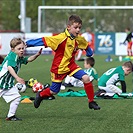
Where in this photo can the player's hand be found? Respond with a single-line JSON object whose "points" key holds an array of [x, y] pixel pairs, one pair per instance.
{"points": [[20, 80], [40, 51]]}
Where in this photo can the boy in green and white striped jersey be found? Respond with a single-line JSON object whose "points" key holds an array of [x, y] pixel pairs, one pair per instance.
{"points": [[9, 73]]}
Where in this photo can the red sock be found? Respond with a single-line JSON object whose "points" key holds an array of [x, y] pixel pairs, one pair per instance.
{"points": [[89, 91], [45, 93]]}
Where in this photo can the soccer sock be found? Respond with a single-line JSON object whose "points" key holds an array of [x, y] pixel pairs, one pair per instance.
{"points": [[45, 93], [89, 91], [13, 107]]}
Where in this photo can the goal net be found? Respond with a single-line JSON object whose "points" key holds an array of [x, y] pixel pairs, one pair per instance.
{"points": [[98, 18]]}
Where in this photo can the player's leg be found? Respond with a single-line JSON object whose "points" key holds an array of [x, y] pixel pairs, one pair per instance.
{"points": [[12, 110], [67, 82], [50, 91], [67, 79], [81, 75], [113, 89], [110, 90], [129, 49], [13, 97]]}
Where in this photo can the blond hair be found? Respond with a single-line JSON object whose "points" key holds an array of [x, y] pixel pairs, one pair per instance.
{"points": [[16, 41]]}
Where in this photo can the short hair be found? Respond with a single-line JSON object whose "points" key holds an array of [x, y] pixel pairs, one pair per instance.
{"points": [[128, 64], [16, 41], [88, 29], [127, 29], [74, 19], [91, 61]]}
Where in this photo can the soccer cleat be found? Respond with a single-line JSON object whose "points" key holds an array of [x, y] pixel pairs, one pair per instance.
{"points": [[100, 93], [13, 118], [38, 100], [49, 98], [67, 85], [94, 105]]}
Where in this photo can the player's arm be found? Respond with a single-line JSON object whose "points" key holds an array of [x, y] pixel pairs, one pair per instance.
{"points": [[89, 51], [35, 42], [13, 73], [128, 38], [123, 86], [33, 57]]}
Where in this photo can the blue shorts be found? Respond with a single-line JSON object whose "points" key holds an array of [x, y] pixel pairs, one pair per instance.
{"points": [[55, 87]]}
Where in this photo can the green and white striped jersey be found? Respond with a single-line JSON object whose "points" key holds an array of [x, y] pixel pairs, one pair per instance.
{"points": [[112, 76], [92, 72], [12, 59]]}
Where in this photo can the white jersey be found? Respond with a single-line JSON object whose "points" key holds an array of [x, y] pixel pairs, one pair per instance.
{"points": [[87, 36]]}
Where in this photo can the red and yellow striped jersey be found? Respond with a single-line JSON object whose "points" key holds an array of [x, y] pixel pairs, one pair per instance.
{"points": [[65, 48]]}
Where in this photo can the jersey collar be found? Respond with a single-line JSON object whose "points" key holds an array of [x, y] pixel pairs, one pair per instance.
{"points": [[71, 36]]}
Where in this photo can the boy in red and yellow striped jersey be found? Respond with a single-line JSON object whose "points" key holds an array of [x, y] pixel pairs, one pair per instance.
{"points": [[65, 46]]}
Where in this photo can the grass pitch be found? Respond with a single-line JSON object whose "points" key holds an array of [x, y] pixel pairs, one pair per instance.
{"points": [[69, 114]]}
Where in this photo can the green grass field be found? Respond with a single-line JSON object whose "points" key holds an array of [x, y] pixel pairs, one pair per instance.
{"points": [[69, 114]]}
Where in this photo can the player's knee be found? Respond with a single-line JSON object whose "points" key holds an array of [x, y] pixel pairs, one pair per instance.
{"points": [[85, 79], [53, 93], [17, 100]]}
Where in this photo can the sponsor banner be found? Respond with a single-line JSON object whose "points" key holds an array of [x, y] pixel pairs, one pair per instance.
{"points": [[121, 49], [105, 43]]}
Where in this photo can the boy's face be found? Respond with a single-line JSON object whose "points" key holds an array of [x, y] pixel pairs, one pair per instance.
{"points": [[19, 49], [86, 66], [127, 71], [74, 29]]}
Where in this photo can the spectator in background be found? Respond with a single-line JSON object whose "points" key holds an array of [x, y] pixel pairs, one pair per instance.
{"points": [[88, 37], [129, 41]]}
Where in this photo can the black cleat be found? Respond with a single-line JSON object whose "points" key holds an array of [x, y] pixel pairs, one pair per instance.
{"points": [[49, 98], [100, 93], [13, 118], [94, 105], [67, 85], [37, 100]]}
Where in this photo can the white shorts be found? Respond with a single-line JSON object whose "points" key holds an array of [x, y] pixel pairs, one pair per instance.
{"points": [[9, 95]]}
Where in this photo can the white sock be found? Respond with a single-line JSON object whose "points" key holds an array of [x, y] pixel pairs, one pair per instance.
{"points": [[13, 107]]}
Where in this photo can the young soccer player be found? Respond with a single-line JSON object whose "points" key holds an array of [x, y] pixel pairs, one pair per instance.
{"points": [[129, 41], [65, 46], [88, 37], [9, 73], [89, 69], [107, 83]]}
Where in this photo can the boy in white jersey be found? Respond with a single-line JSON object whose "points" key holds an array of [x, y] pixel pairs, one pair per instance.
{"points": [[88, 37], [107, 82], [8, 74], [88, 65]]}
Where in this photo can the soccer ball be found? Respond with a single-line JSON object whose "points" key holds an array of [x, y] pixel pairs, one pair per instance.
{"points": [[37, 87], [20, 87], [31, 82]]}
